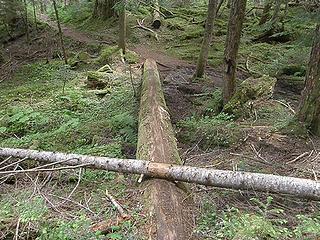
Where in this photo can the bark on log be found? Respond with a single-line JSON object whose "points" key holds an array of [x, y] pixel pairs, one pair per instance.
{"points": [[156, 23], [156, 143], [303, 188]]}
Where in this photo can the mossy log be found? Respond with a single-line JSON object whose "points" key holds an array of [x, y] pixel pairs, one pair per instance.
{"points": [[157, 143], [156, 23], [250, 90], [101, 80]]}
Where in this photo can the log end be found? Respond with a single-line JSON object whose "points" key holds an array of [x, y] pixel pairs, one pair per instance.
{"points": [[156, 24]]}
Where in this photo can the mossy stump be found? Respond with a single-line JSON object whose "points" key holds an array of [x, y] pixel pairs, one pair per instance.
{"points": [[250, 91]]}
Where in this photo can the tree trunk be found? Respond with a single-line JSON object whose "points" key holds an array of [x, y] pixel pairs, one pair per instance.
{"points": [[156, 143], [276, 12], [104, 9], [265, 13], [122, 28], [309, 108], [60, 32], [26, 22], [156, 23], [211, 15], [236, 18], [299, 187], [34, 15]]}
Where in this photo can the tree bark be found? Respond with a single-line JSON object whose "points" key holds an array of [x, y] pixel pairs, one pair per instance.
{"points": [[156, 143], [299, 187], [35, 15], [122, 28], [104, 9], [60, 32], [309, 108], [156, 23], [27, 22], [236, 18], [265, 13], [211, 15]]}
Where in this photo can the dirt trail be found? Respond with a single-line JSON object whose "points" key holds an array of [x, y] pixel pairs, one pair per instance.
{"points": [[73, 33]]}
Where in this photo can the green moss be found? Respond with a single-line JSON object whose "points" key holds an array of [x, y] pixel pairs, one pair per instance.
{"points": [[106, 54], [131, 57], [250, 90], [191, 35]]}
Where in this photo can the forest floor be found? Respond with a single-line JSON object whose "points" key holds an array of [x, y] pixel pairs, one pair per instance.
{"points": [[254, 144]]}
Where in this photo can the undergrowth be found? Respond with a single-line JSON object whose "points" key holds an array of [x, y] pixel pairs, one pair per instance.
{"points": [[266, 222]]}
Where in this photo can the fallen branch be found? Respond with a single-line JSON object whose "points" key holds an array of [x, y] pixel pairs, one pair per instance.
{"points": [[46, 169], [117, 206], [140, 25], [303, 188]]}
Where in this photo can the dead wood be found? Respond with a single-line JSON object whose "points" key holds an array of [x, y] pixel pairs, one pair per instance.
{"points": [[156, 142], [140, 25], [299, 187]]}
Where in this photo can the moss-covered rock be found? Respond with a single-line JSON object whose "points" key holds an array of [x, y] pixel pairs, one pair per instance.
{"points": [[250, 91], [106, 54], [131, 57], [103, 80], [97, 80], [80, 57]]}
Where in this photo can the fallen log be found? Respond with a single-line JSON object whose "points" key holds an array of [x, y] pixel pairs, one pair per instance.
{"points": [[303, 188], [156, 142], [156, 23]]}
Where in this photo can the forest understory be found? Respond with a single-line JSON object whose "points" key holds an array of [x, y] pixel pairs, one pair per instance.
{"points": [[46, 105]]}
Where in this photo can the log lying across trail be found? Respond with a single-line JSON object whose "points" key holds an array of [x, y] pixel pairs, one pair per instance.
{"points": [[157, 143], [299, 187]]}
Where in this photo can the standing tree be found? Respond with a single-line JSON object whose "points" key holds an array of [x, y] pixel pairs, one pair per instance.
{"points": [[309, 108], [211, 15], [26, 21], [122, 27], [104, 9], [265, 13], [60, 32], [236, 18], [34, 15]]}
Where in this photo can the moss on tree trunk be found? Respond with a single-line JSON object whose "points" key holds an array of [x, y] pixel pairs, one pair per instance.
{"points": [[309, 108]]}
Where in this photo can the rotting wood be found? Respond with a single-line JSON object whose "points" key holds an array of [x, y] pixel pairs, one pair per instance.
{"points": [[140, 25], [156, 143], [303, 188], [156, 23]]}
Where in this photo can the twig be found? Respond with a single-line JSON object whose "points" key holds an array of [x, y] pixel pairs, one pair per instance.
{"points": [[78, 182], [6, 160], [117, 206], [249, 157], [299, 157], [74, 202], [286, 105], [16, 235], [258, 154], [11, 164], [46, 170]]}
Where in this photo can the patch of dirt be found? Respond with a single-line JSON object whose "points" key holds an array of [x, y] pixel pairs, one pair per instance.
{"points": [[72, 33]]}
